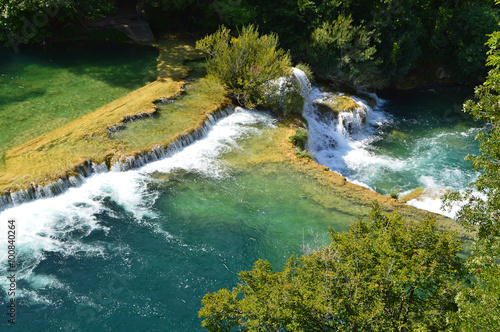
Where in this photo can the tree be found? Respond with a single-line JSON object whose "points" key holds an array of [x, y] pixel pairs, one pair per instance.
{"points": [[384, 274], [345, 54], [478, 300], [483, 213], [22, 21], [479, 297], [245, 65]]}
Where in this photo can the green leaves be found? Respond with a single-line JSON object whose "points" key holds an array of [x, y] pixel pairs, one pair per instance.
{"points": [[483, 213], [386, 273], [344, 54], [24, 21], [244, 64]]}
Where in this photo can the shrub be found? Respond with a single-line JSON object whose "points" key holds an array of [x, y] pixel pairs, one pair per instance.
{"points": [[245, 64], [299, 139], [345, 54]]}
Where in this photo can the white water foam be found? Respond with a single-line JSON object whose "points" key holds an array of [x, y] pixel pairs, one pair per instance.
{"points": [[346, 145], [342, 143], [59, 224]]}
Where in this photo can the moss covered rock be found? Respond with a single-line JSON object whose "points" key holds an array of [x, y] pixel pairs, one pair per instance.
{"points": [[336, 104], [283, 96]]}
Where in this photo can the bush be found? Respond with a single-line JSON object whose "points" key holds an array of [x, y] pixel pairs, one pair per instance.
{"points": [[345, 54], [245, 65], [299, 139]]}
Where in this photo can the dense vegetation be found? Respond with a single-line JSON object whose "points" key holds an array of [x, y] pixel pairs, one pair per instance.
{"points": [[364, 44], [479, 302], [32, 20], [367, 40], [385, 274]]}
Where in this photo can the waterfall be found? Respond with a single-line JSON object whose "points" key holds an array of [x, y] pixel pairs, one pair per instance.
{"points": [[10, 199], [332, 136]]}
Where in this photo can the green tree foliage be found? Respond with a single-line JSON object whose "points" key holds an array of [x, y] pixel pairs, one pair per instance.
{"points": [[345, 54], [479, 299], [34, 20], [385, 274], [483, 214], [245, 65]]}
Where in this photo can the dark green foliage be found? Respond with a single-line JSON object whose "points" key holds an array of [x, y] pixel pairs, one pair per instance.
{"points": [[478, 300], [484, 214], [29, 20], [245, 65], [385, 274], [299, 139], [395, 193], [304, 154], [364, 44], [344, 54]]}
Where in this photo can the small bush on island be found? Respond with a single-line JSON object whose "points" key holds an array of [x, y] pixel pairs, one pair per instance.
{"points": [[299, 139], [245, 65]]}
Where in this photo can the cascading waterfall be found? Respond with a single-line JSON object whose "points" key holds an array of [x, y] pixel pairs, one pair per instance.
{"points": [[87, 169], [349, 143], [331, 138], [61, 224]]}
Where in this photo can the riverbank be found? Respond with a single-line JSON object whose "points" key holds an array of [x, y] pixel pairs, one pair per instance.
{"points": [[274, 152], [59, 154]]}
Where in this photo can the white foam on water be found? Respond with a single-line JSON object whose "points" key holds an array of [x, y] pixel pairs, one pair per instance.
{"points": [[201, 157], [346, 145], [58, 224]]}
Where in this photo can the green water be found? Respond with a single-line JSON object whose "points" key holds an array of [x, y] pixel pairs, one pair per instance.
{"points": [[137, 250], [44, 88]]}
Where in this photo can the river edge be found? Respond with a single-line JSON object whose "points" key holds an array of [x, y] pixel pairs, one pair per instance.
{"points": [[141, 103]]}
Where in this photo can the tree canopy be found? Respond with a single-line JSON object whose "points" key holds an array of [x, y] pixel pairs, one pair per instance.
{"points": [[33, 20], [247, 64], [385, 273], [483, 213], [359, 43]]}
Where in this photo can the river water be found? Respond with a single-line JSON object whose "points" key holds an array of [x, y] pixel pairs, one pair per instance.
{"points": [[409, 140], [137, 250]]}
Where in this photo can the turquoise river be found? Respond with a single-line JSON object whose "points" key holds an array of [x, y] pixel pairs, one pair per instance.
{"points": [[137, 250]]}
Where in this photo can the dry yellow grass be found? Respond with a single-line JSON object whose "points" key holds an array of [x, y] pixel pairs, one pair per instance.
{"points": [[47, 158]]}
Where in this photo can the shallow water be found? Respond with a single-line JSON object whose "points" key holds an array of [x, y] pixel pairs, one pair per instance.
{"points": [[44, 88], [411, 139], [139, 249]]}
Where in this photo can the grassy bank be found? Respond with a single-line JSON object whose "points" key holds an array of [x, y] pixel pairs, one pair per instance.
{"points": [[58, 153]]}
